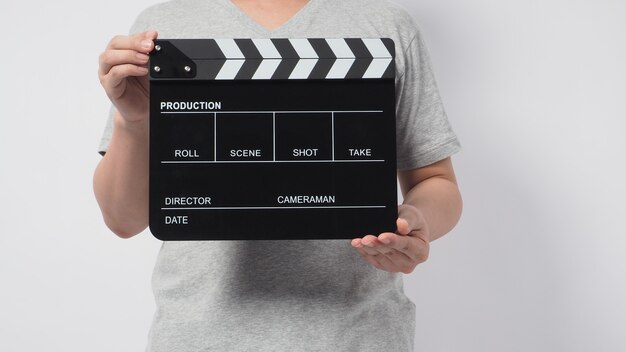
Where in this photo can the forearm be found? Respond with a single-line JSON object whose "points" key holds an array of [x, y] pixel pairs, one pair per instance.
{"points": [[121, 179], [439, 200]]}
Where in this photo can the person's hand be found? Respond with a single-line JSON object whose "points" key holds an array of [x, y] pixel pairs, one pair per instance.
{"points": [[401, 251], [123, 69]]}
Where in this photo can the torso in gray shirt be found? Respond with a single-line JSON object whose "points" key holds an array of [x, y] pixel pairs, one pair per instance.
{"points": [[313, 295]]}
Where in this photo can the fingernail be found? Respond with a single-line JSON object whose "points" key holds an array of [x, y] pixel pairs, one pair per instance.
{"points": [[146, 44], [384, 240]]}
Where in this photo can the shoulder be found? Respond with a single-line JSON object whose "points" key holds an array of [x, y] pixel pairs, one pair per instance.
{"points": [[391, 10], [384, 18], [149, 15], [385, 13], [156, 9]]}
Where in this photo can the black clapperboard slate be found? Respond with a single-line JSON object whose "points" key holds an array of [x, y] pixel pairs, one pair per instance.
{"points": [[281, 138]]}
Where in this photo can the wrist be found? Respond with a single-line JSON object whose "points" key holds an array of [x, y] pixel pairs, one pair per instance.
{"points": [[136, 126]]}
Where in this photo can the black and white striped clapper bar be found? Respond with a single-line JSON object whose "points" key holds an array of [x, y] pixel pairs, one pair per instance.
{"points": [[281, 138]]}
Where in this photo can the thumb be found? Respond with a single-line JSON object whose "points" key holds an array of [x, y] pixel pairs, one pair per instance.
{"points": [[151, 34], [409, 219], [403, 227]]}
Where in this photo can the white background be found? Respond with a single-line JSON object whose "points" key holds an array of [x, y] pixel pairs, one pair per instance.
{"points": [[535, 90]]}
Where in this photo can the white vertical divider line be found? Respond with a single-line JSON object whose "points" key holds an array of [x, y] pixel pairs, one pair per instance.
{"points": [[274, 134], [332, 132], [214, 136]]}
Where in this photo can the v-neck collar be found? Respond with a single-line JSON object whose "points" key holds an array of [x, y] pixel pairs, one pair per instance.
{"points": [[259, 28]]}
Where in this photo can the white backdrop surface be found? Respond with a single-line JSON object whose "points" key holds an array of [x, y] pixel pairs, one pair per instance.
{"points": [[536, 91]]}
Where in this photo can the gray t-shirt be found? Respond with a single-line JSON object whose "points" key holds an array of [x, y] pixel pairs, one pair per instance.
{"points": [[311, 295]]}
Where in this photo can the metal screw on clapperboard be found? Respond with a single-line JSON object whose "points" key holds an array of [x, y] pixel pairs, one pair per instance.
{"points": [[157, 68]]}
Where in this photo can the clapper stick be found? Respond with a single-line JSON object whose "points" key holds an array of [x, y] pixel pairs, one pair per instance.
{"points": [[281, 138]]}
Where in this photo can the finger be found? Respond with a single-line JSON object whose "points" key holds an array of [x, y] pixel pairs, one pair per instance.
{"points": [[378, 245], [390, 259], [387, 263], [370, 259], [138, 42], [403, 227], [409, 219], [398, 261], [366, 249], [111, 58], [118, 73], [407, 246], [397, 248], [369, 250], [383, 253], [141, 42], [369, 242]]}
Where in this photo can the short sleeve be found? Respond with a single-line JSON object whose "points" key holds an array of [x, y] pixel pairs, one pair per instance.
{"points": [[108, 131], [423, 132], [141, 24]]}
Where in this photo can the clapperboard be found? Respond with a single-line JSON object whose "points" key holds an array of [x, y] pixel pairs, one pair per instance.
{"points": [[281, 138]]}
